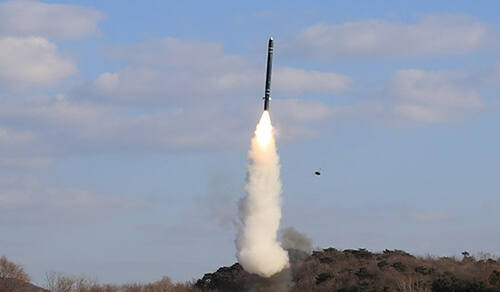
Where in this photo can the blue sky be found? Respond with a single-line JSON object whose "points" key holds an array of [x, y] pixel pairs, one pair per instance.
{"points": [[124, 129]]}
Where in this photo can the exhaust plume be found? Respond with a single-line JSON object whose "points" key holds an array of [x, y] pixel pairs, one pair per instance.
{"points": [[259, 251], [292, 239]]}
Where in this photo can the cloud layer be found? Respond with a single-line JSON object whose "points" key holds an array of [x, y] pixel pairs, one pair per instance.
{"points": [[177, 72], [426, 96], [438, 34], [27, 200], [59, 21], [27, 62]]}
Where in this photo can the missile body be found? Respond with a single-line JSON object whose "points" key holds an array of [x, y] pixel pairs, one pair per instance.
{"points": [[268, 74]]}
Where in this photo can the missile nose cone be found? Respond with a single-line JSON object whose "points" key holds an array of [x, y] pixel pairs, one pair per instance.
{"points": [[271, 38]]}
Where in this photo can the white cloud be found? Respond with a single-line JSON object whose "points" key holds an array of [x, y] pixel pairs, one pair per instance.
{"points": [[175, 71], [11, 138], [431, 35], [16, 149], [426, 96], [419, 96], [31, 61], [34, 18], [24, 163], [428, 216], [107, 82], [294, 116], [296, 81], [435, 88], [302, 110], [64, 127], [419, 113]]}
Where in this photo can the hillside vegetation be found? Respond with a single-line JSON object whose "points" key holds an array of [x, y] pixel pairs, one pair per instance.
{"points": [[324, 270], [361, 270]]}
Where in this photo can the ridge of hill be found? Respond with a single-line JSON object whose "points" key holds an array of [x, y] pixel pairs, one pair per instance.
{"points": [[361, 270]]}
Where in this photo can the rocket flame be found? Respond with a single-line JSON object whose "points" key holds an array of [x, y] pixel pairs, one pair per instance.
{"points": [[264, 131], [259, 251]]}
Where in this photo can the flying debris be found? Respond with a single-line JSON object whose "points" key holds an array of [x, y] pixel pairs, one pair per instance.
{"points": [[267, 97], [317, 172]]}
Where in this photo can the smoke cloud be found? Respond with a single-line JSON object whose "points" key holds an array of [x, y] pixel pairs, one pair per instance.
{"points": [[259, 251], [292, 239]]}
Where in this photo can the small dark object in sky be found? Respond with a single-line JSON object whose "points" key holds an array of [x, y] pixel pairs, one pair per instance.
{"points": [[317, 172]]}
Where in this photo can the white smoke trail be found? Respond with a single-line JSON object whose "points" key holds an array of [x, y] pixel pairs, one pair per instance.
{"points": [[259, 251]]}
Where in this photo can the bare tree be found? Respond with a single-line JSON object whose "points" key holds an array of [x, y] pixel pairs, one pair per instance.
{"points": [[57, 282], [12, 270]]}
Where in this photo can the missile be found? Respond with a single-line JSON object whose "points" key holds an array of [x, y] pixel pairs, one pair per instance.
{"points": [[267, 93]]}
